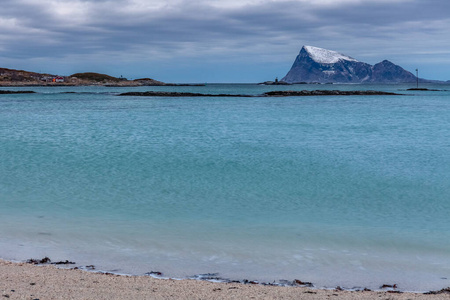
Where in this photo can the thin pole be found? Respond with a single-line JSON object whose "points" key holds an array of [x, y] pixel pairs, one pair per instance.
{"points": [[417, 77]]}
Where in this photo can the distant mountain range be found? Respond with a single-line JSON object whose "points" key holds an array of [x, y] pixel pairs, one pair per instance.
{"points": [[317, 65]]}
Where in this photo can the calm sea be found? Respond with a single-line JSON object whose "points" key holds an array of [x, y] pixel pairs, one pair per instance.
{"points": [[336, 190]]}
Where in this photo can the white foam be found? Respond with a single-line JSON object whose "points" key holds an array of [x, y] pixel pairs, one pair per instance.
{"points": [[325, 56]]}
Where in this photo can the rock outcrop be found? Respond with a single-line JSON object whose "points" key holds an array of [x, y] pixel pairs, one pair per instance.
{"points": [[3, 92], [266, 94]]}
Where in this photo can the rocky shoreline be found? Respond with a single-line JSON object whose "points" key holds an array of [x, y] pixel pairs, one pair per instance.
{"points": [[214, 277], [27, 281], [266, 94]]}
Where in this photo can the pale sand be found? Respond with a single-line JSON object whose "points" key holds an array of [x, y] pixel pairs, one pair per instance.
{"points": [[25, 281]]}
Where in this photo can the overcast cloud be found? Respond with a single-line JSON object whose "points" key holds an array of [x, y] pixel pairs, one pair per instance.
{"points": [[219, 41]]}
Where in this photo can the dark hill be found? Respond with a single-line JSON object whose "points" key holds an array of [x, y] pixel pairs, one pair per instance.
{"points": [[91, 76]]}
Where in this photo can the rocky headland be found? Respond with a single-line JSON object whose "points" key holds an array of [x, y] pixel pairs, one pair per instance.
{"points": [[12, 78]]}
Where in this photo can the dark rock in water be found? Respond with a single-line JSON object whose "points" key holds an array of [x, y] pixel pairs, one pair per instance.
{"points": [[325, 93], [423, 89], [245, 281], [284, 282], [66, 262], [317, 65], [47, 260], [155, 273], [302, 283], [16, 92], [178, 94], [270, 283], [208, 276], [267, 94], [33, 261], [443, 291], [384, 286]]}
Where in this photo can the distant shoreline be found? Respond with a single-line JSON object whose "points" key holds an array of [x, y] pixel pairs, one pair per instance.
{"points": [[19, 78], [122, 84]]}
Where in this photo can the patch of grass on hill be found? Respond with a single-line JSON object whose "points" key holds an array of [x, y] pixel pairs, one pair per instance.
{"points": [[94, 77]]}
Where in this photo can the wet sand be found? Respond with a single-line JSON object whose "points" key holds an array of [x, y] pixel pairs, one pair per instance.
{"points": [[26, 281]]}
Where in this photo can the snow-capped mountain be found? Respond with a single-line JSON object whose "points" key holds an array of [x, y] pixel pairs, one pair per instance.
{"points": [[319, 65], [324, 56]]}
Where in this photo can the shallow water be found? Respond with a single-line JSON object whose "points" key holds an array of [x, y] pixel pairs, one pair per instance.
{"points": [[336, 190]]}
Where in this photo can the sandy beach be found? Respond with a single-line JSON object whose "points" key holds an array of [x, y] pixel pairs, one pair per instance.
{"points": [[26, 281]]}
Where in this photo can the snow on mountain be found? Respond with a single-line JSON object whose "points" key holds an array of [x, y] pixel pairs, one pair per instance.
{"points": [[324, 56]]}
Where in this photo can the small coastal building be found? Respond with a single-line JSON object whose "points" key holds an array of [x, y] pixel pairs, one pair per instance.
{"points": [[58, 79]]}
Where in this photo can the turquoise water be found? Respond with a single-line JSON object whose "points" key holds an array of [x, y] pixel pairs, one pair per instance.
{"points": [[351, 191]]}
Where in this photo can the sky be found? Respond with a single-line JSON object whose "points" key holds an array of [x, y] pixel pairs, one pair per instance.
{"points": [[188, 41]]}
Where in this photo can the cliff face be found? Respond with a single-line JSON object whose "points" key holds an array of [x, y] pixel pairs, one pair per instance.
{"points": [[317, 65]]}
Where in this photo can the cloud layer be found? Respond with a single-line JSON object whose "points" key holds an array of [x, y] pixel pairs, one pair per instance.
{"points": [[182, 40]]}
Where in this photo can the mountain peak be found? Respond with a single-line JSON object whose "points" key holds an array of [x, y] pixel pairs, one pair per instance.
{"points": [[319, 65], [386, 62], [324, 56]]}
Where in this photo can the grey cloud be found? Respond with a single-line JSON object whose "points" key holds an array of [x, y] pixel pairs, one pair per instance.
{"points": [[194, 29]]}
